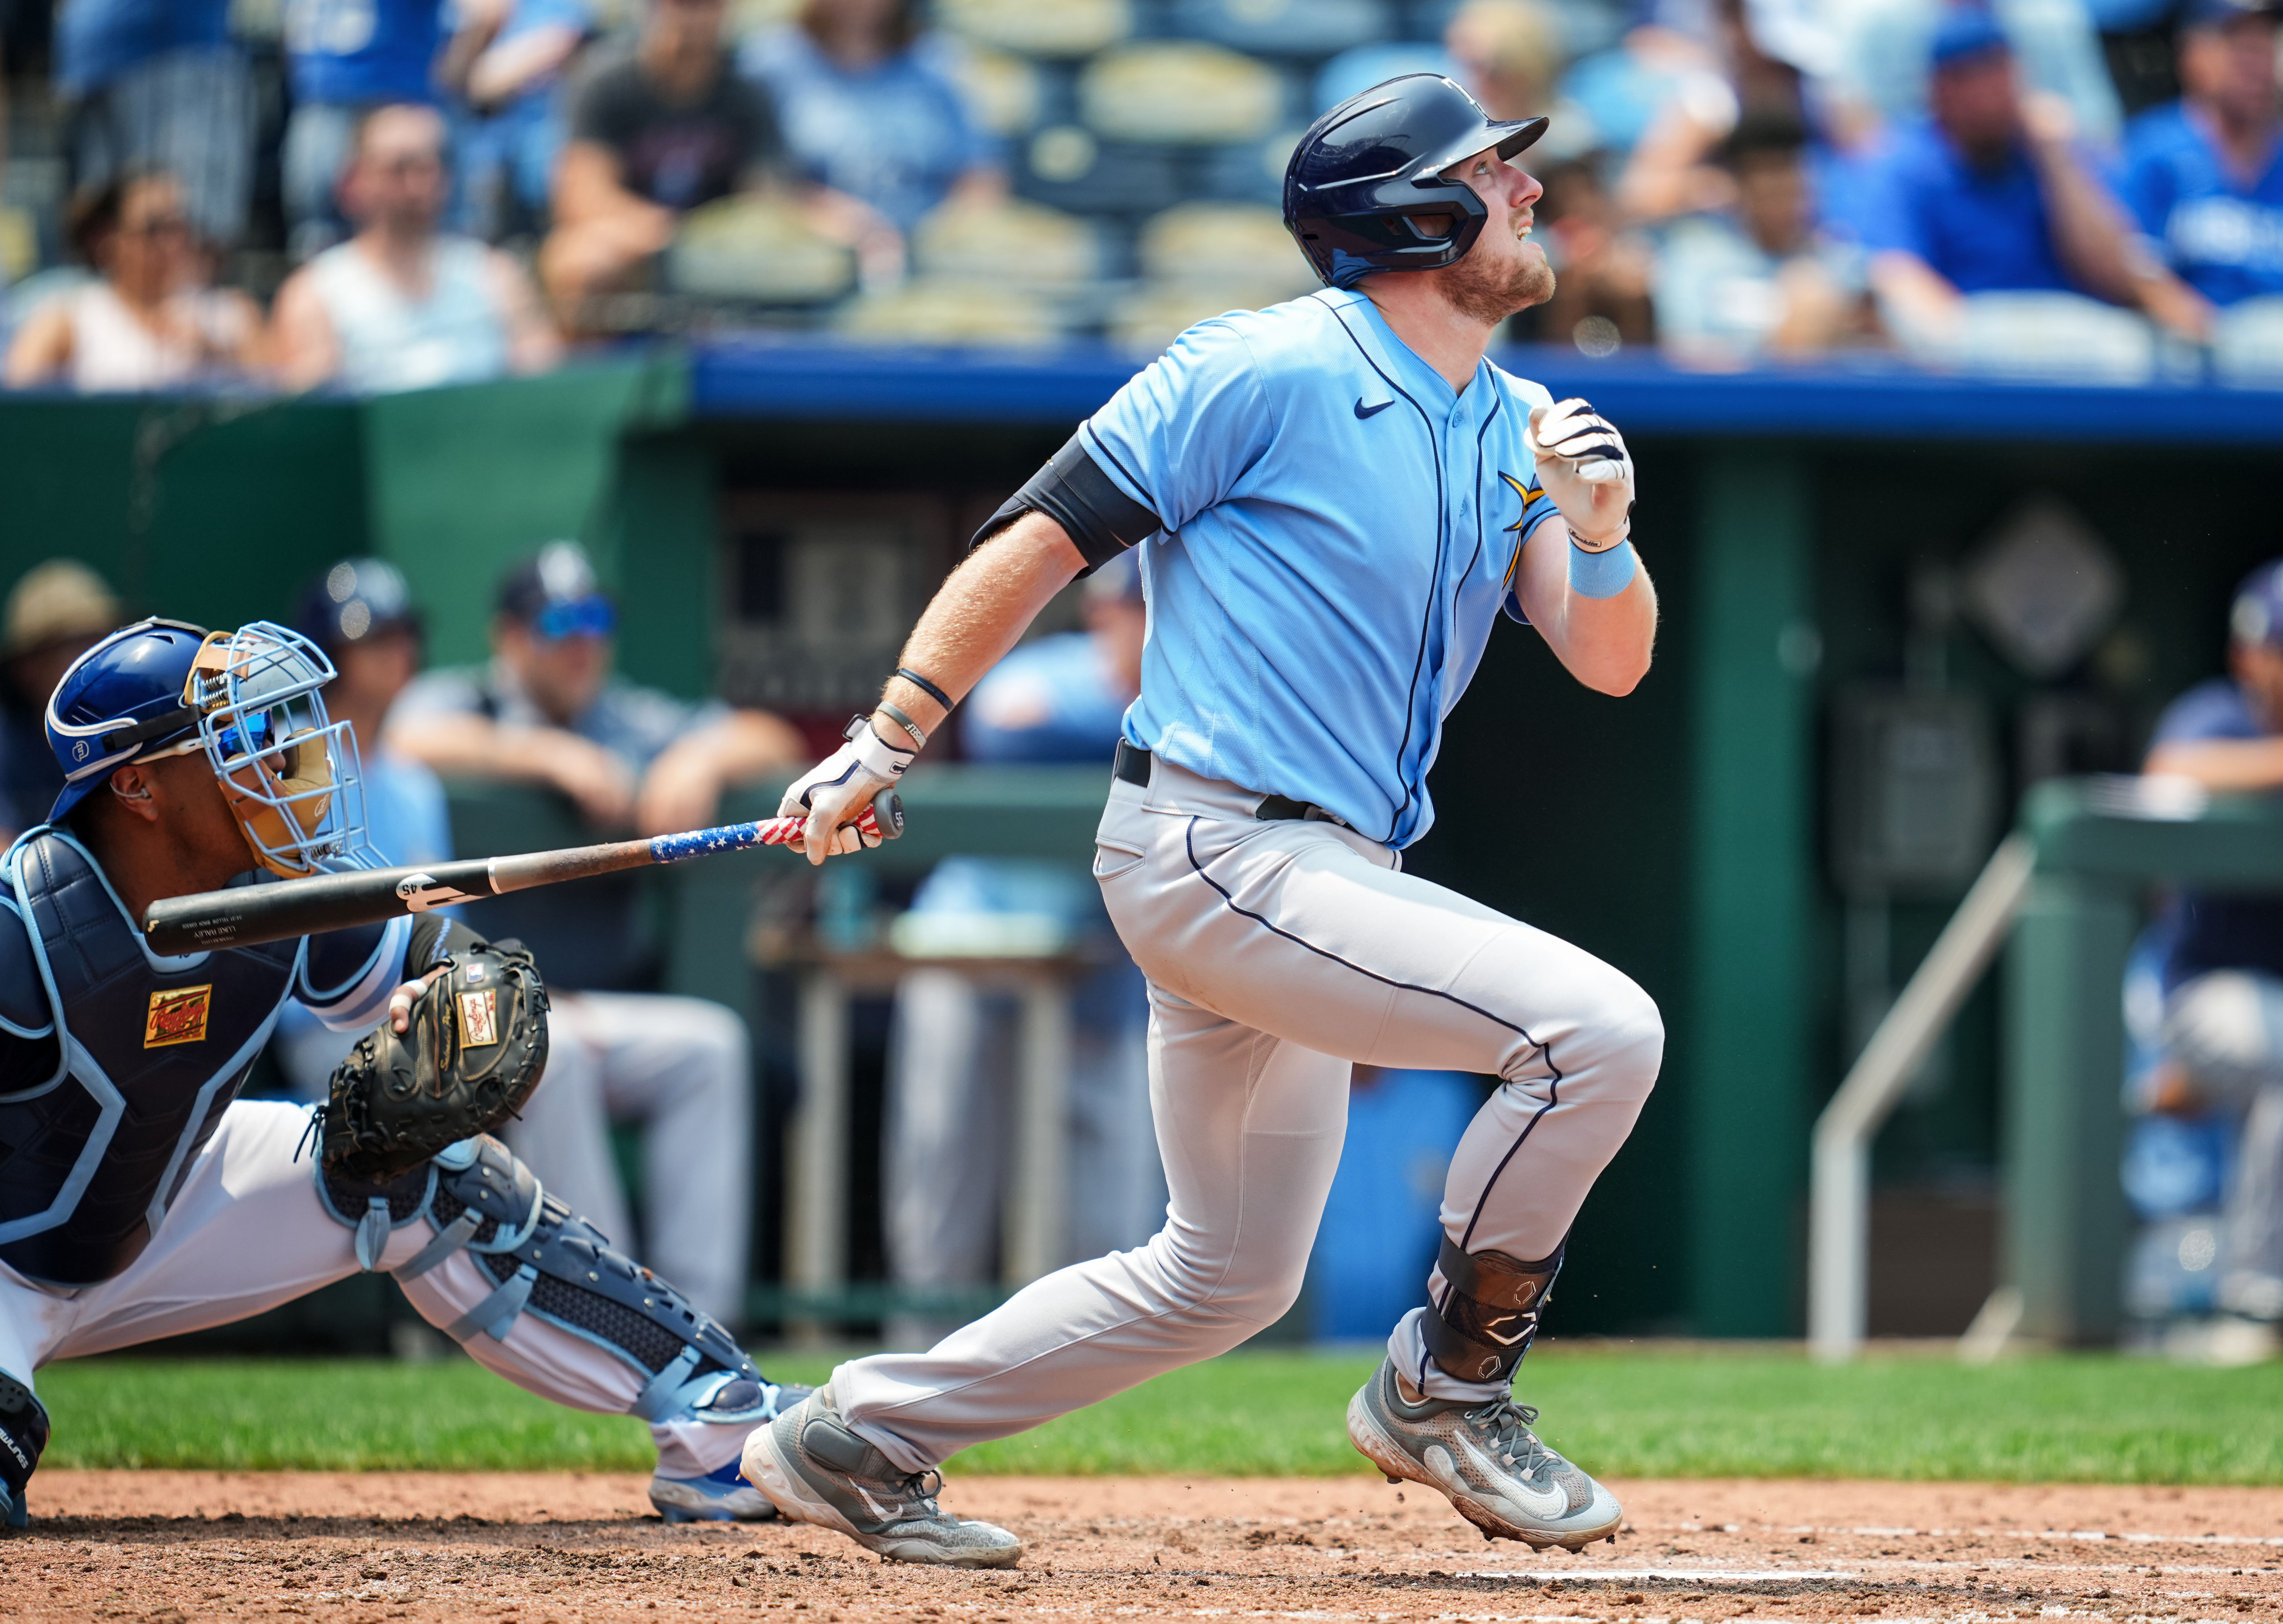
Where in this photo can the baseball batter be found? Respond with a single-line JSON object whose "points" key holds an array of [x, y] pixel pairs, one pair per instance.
{"points": [[1334, 499], [139, 1198]]}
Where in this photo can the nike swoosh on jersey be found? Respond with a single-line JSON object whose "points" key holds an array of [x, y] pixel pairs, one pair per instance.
{"points": [[1361, 410]]}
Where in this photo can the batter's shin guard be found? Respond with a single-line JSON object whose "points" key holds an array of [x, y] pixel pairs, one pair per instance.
{"points": [[23, 1434], [1489, 1312]]}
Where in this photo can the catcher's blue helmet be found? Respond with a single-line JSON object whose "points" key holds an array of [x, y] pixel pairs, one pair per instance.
{"points": [[121, 700], [248, 700], [1364, 189]]}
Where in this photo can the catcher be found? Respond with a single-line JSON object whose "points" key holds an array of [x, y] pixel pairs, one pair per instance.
{"points": [[140, 1198]]}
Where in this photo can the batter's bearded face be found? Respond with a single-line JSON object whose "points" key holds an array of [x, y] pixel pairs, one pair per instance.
{"points": [[1506, 270]]}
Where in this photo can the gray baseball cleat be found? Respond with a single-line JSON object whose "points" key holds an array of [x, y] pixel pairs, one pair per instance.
{"points": [[816, 1469], [1483, 1457]]}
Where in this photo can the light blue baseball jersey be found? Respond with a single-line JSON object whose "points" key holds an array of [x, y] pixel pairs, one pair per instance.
{"points": [[1341, 529]]}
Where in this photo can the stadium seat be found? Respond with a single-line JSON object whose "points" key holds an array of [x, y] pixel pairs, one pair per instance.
{"points": [[1145, 321], [1251, 173], [1040, 27], [931, 311], [1006, 91], [758, 250], [1065, 167], [2248, 348], [1219, 243], [1285, 28], [2054, 335], [1179, 92], [745, 16], [1006, 242]]}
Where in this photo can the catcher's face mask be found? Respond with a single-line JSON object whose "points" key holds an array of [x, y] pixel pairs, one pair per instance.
{"points": [[289, 771]]}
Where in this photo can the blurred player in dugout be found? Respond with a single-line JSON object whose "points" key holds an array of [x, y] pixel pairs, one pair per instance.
{"points": [[1059, 698], [546, 709], [2209, 998], [56, 612]]}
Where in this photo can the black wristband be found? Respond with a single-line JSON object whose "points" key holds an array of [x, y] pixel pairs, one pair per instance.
{"points": [[926, 686]]}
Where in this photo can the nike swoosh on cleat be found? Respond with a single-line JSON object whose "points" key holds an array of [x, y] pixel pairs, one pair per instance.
{"points": [[1549, 1503], [1361, 410]]}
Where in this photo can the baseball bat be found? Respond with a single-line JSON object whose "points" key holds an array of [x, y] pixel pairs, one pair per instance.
{"points": [[247, 915]]}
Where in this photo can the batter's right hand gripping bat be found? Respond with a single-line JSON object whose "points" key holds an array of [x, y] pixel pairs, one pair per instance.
{"points": [[248, 914]]}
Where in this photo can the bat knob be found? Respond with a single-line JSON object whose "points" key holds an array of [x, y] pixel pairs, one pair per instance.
{"points": [[888, 811]]}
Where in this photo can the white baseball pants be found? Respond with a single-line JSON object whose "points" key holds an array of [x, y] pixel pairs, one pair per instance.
{"points": [[248, 1233], [1278, 955]]}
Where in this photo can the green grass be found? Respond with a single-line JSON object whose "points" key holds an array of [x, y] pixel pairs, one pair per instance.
{"points": [[1660, 1412]]}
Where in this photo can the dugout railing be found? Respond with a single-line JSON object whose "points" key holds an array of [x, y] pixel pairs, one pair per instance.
{"points": [[2063, 897]]}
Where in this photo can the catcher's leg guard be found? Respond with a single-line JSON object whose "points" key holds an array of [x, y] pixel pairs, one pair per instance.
{"points": [[23, 1434], [1489, 1312], [556, 1265]]}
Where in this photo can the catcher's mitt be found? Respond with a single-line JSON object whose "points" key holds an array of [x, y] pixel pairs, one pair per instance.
{"points": [[471, 1055]]}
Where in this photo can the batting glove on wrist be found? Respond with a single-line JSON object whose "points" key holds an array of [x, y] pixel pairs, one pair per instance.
{"points": [[834, 792], [1584, 466]]}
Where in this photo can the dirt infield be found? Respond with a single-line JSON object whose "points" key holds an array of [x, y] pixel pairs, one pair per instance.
{"points": [[171, 1547]]}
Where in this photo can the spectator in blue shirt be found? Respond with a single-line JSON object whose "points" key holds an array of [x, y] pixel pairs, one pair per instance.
{"points": [[2222, 959], [506, 67], [2205, 174], [869, 107], [345, 58], [1990, 195], [153, 84]]}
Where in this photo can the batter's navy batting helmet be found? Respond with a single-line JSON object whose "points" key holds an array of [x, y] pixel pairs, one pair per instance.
{"points": [[1364, 189]]}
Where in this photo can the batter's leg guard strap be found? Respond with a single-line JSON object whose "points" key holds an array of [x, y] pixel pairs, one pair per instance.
{"points": [[1489, 1312], [23, 1434]]}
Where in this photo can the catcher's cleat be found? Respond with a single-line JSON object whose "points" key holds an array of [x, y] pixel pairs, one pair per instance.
{"points": [[817, 1470], [1484, 1458], [721, 1495]]}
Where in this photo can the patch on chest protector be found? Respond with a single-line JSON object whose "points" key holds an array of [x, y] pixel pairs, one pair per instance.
{"points": [[178, 1016]]}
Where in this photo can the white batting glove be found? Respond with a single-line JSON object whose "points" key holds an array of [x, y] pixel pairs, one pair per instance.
{"points": [[834, 792], [1584, 466]]}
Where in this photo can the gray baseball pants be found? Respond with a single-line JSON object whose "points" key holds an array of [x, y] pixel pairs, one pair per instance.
{"points": [[1279, 954]]}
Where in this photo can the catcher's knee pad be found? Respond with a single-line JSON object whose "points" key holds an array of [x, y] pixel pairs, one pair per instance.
{"points": [[550, 1263], [23, 1434], [1489, 1312]]}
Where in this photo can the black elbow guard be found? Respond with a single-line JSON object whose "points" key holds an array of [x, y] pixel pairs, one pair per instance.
{"points": [[1102, 520]]}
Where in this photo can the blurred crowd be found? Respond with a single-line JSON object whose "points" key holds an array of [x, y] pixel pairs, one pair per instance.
{"points": [[390, 194]]}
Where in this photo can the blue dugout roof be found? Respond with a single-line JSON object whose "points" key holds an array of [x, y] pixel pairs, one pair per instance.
{"points": [[763, 377]]}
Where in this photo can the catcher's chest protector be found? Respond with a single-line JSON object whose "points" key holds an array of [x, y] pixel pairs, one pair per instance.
{"points": [[152, 1055]]}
